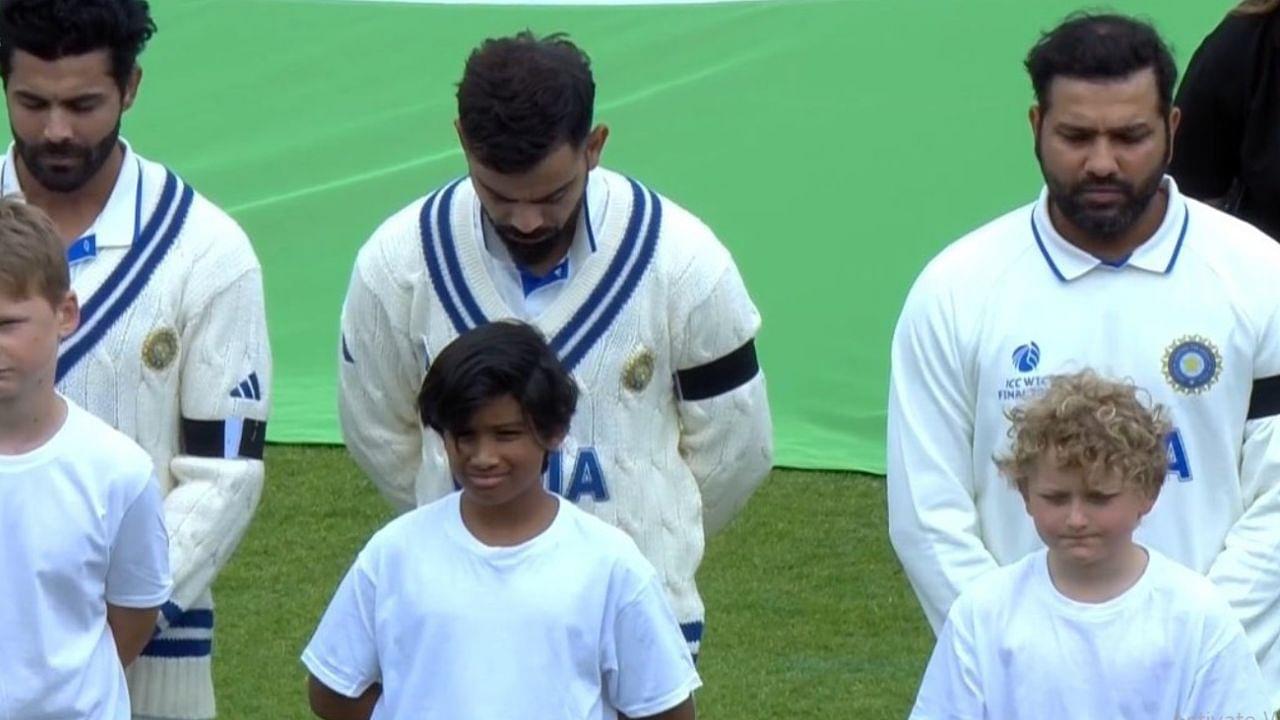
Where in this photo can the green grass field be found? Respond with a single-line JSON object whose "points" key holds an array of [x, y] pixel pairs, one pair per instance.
{"points": [[808, 612]]}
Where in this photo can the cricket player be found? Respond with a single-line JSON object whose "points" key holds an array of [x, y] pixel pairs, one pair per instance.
{"points": [[1110, 268], [639, 299], [172, 344]]}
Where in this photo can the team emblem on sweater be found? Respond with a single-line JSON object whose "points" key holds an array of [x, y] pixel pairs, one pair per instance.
{"points": [[160, 349], [1192, 364], [639, 370]]}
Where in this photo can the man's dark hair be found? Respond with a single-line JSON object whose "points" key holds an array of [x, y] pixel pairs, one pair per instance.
{"points": [[1101, 47], [500, 358], [521, 97], [53, 29]]}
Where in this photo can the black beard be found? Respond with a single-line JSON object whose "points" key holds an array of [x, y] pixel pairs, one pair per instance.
{"points": [[1109, 224], [91, 159], [528, 254]]}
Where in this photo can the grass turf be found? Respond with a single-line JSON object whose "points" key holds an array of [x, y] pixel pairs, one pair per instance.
{"points": [[808, 612]]}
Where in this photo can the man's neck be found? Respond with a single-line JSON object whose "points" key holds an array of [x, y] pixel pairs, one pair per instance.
{"points": [[1101, 582], [1116, 249], [74, 212], [513, 523], [28, 423], [561, 251]]}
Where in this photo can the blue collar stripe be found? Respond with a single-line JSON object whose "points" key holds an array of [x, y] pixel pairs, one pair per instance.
{"points": [[530, 283], [137, 250], [586, 215], [1177, 249], [450, 252], [1043, 250], [625, 250], [432, 257], [79, 345], [623, 291]]}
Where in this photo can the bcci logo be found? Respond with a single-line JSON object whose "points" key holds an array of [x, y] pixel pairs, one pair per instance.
{"points": [[1192, 364], [1026, 357]]}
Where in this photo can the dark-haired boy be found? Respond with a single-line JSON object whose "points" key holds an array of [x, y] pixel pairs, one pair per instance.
{"points": [[172, 345], [501, 600], [637, 296]]}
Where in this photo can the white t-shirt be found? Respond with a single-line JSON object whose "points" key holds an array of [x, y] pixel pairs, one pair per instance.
{"points": [[1014, 647], [571, 624], [82, 527]]}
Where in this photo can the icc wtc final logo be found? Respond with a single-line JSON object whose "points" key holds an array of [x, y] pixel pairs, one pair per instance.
{"points": [[1192, 364], [1026, 357]]}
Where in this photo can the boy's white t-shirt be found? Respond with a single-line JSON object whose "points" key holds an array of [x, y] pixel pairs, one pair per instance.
{"points": [[81, 526], [571, 624], [1014, 647]]}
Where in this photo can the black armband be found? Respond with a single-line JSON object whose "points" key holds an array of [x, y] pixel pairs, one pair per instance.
{"points": [[231, 438], [720, 375]]}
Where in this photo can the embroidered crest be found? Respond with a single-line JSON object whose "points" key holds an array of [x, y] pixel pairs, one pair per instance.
{"points": [[639, 370], [1192, 364], [160, 349]]}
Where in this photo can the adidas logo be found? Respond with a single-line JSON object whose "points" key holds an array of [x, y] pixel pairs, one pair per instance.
{"points": [[248, 388]]}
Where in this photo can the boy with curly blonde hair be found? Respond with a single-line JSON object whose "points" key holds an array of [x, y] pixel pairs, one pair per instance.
{"points": [[1094, 625]]}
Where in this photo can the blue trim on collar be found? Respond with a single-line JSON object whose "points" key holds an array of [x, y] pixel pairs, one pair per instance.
{"points": [[530, 283], [1182, 235], [145, 264], [1035, 231], [425, 227], [454, 268], [586, 218], [596, 299], [84, 248], [574, 353], [1118, 263]]}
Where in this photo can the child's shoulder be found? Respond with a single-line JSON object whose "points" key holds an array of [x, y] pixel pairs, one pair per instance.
{"points": [[1186, 593], [992, 597], [600, 537], [104, 447]]}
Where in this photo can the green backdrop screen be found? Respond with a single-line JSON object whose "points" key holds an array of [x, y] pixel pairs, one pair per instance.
{"points": [[833, 146]]}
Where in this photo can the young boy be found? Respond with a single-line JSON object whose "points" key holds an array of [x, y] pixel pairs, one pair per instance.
{"points": [[1096, 625], [500, 601], [84, 555]]}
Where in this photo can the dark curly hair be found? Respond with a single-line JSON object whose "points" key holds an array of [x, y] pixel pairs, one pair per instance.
{"points": [[521, 97], [52, 29]]}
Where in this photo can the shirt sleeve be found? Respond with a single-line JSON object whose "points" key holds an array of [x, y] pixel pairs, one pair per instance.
{"points": [[138, 573], [933, 520], [343, 652], [379, 378], [1245, 570], [726, 435], [647, 665], [951, 688], [1214, 101], [1228, 682], [225, 400]]}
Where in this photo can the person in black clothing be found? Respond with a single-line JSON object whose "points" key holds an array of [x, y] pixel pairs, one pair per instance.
{"points": [[1227, 148]]}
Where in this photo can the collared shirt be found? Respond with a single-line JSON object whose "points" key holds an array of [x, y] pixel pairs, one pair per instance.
{"points": [[118, 222], [531, 294], [1158, 254]]}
